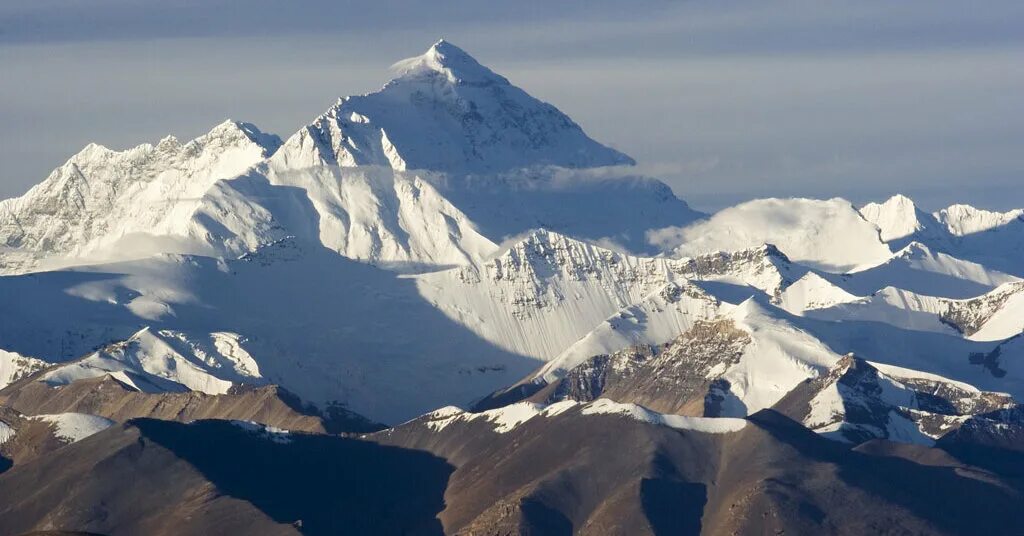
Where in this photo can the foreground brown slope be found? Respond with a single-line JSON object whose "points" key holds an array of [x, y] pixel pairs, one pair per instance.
{"points": [[564, 473]]}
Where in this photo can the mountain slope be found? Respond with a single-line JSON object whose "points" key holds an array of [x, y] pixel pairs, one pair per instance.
{"points": [[858, 400], [603, 468], [918, 268]]}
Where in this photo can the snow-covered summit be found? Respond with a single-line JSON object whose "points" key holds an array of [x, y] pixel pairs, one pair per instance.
{"points": [[449, 61], [445, 112], [899, 218]]}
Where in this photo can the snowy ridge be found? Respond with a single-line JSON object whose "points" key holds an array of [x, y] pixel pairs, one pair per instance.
{"points": [[743, 373], [993, 316], [963, 220], [899, 218], [921, 269], [161, 361], [707, 425], [545, 292], [102, 202], [510, 417], [371, 214]]}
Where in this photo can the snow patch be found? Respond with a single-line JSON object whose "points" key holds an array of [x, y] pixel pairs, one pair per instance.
{"points": [[72, 427], [707, 425]]}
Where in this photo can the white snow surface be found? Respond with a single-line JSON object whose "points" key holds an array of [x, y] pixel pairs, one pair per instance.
{"points": [[445, 112], [707, 425], [105, 204], [812, 292], [656, 319], [830, 235], [73, 427], [963, 220], [14, 366], [6, 432], [921, 269], [508, 418], [238, 260], [159, 361]]}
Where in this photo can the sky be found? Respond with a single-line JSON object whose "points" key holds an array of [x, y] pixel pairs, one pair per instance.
{"points": [[725, 101]]}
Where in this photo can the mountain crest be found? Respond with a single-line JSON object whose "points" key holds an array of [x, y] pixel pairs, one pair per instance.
{"points": [[449, 61]]}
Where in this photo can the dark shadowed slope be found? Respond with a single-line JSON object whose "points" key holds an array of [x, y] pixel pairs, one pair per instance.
{"points": [[157, 477]]}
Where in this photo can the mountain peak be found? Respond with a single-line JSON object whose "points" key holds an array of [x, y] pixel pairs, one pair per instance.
{"points": [[895, 218], [446, 112], [445, 59]]}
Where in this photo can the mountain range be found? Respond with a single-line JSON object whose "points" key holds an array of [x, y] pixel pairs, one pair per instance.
{"points": [[442, 307]]}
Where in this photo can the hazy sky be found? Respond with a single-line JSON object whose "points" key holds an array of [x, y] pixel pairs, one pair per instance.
{"points": [[724, 100]]}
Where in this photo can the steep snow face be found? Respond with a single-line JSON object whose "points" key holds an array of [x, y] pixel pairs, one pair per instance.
{"points": [[779, 356], [545, 292], [14, 366], [658, 318], [103, 202], [548, 291], [73, 427], [895, 307], [963, 220], [6, 432], [830, 235], [920, 269], [812, 292], [994, 316], [372, 214], [898, 218], [161, 361], [445, 112]]}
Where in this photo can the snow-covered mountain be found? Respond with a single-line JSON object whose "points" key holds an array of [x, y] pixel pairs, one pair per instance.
{"points": [[104, 203], [858, 400], [830, 235], [439, 239], [174, 314]]}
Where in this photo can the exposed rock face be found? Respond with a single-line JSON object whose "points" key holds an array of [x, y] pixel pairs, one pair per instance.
{"points": [[105, 396], [969, 316], [679, 377], [856, 401]]}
